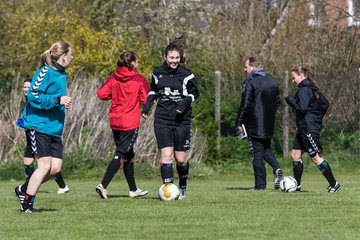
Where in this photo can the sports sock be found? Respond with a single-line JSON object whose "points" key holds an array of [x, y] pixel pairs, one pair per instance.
{"points": [[298, 168], [59, 180], [111, 170], [167, 172], [324, 167], [29, 170], [129, 170], [28, 201], [183, 171]]}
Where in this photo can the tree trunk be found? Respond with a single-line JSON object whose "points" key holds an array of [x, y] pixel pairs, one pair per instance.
{"points": [[218, 109], [251, 16], [285, 117]]}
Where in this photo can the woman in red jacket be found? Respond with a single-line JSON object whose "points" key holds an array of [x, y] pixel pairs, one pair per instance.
{"points": [[126, 89]]}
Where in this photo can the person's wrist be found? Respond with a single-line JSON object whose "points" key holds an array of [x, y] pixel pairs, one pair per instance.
{"points": [[57, 100]]}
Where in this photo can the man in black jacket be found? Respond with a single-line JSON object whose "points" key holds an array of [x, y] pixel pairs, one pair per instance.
{"points": [[259, 101]]}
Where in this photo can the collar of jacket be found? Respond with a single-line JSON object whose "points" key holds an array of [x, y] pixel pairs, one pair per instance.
{"points": [[171, 70], [59, 67], [125, 73], [259, 71], [306, 82]]}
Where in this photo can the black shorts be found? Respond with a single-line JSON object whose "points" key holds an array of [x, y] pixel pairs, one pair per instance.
{"points": [[308, 142], [42, 145], [177, 136], [125, 140]]}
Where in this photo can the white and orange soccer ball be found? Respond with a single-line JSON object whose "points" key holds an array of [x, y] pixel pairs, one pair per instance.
{"points": [[169, 192], [288, 184]]}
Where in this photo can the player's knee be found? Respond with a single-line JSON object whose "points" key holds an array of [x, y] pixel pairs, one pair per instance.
{"points": [[167, 158], [44, 168], [181, 161], [54, 170], [295, 156], [317, 159]]}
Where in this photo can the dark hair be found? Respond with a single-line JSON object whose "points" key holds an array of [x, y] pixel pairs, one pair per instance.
{"points": [[177, 45], [254, 61], [126, 58], [27, 80], [309, 75]]}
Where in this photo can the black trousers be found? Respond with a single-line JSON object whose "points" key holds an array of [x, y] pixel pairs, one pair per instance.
{"points": [[260, 151]]}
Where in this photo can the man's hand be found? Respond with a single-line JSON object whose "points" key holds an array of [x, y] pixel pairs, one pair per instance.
{"points": [[239, 130]]}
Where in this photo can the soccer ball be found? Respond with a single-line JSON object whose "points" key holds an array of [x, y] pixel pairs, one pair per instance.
{"points": [[288, 184], [169, 192]]}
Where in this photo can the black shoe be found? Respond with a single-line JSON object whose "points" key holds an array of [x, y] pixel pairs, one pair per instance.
{"points": [[298, 188], [20, 195], [335, 188], [29, 209]]}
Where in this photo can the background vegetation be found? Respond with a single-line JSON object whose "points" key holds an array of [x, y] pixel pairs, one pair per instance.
{"points": [[219, 34]]}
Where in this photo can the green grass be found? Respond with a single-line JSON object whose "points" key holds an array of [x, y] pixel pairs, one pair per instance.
{"points": [[214, 209]]}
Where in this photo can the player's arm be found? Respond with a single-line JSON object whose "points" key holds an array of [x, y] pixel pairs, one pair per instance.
{"points": [[151, 97], [104, 92], [191, 94], [247, 101], [37, 94], [143, 90], [305, 94]]}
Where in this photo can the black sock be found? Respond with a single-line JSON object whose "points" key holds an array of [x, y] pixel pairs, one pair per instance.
{"points": [[298, 168], [324, 167], [183, 174], [167, 172], [111, 170], [129, 170], [29, 170], [59, 180]]}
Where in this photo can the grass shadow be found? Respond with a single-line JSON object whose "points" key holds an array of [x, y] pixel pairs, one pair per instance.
{"points": [[41, 191], [127, 196], [240, 188], [46, 210]]}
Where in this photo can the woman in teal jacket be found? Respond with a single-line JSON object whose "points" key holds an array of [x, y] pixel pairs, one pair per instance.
{"points": [[44, 115]]}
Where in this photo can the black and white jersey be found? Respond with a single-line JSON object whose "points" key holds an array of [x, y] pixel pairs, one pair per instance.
{"points": [[174, 89]]}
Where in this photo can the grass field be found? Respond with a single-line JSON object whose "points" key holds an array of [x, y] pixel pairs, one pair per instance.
{"points": [[214, 209]]}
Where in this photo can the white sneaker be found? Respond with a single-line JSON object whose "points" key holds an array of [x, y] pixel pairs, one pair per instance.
{"points": [[63, 190], [102, 191], [277, 178], [182, 194], [138, 193]]}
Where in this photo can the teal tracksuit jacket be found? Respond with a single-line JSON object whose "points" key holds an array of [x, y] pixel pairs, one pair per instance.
{"points": [[42, 111]]}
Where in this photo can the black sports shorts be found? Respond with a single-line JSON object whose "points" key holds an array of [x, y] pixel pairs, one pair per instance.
{"points": [[308, 142], [42, 145], [177, 136], [125, 140]]}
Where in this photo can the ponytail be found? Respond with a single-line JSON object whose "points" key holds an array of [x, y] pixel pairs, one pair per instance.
{"points": [[126, 58], [178, 45], [310, 76], [53, 54]]}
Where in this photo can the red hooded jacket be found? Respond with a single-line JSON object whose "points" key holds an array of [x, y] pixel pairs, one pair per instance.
{"points": [[126, 89]]}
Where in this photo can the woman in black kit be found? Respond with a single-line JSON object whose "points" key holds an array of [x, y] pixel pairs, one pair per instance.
{"points": [[174, 88], [310, 107]]}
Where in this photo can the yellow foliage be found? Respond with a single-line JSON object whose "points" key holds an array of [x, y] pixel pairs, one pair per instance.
{"points": [[29, 33]]}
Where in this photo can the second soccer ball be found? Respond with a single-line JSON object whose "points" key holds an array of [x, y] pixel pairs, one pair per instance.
{"points": [[288, 184]]}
